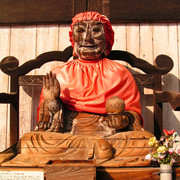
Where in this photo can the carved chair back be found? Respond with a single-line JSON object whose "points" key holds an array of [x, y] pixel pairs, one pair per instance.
{"points": [[151, 78]]}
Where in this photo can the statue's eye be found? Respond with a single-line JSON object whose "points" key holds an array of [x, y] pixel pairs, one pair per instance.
{"points": [[96, 29], [80, 30]]}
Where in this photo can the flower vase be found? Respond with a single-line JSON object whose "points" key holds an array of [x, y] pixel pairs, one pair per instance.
{"points": [[165, 172]]}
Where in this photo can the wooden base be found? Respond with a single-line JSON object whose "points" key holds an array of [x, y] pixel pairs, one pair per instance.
{"points": [[70, 170], [137, 173], [80, 170]]}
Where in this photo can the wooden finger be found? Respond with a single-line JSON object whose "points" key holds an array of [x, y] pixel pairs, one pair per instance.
{"points": [[47, 81], [50, 74], [110, 122], [51, 80], [117, 120], [56, 82]]}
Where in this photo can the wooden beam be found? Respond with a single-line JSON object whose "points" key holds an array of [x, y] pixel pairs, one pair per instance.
{"points": [[36, 11], [95, 5], [62, 11], [8, 97], [106, 8], [171, 97], [144, 10], [80, 6]]}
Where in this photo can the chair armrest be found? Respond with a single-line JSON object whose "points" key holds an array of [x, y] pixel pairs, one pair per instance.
{"points": [[171, 97], [9, 97]]}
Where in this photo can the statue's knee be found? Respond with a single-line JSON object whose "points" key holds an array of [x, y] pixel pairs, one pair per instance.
{"points": [[103, 149]]}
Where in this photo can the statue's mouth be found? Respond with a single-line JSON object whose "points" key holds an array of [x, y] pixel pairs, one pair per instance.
{"points": [[88, 45]]}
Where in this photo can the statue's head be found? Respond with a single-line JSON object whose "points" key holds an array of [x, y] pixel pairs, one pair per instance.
{"points": [[91, 35]]}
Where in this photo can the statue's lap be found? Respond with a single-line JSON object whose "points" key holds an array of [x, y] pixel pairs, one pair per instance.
{"points": [[87, 142]]}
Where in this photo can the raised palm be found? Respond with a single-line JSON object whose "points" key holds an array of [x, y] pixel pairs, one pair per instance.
{"points": [[51, 87]]}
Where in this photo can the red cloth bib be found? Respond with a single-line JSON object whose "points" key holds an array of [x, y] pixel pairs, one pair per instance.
{"points": [[86, 85]]}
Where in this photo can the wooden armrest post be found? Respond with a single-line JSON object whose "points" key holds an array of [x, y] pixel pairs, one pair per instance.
{"points": [[158, 114], [14, 112]]}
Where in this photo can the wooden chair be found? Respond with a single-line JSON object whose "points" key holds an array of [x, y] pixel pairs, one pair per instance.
{"points": [[151, 77]]}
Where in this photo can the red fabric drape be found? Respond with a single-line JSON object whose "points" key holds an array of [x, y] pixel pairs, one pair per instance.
{"points": [[86, 85]]}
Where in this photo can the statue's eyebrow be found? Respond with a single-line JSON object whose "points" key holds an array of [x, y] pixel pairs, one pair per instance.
{"points": [[79, 24], [98, 23]]}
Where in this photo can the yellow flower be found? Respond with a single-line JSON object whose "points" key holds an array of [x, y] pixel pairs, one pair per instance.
{"points": [[161, 149], [153, 142]]}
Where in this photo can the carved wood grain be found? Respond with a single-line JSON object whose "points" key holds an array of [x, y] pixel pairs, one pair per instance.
{"points": [[37, 80], [144, 79], [76, 170], [31, 80]]}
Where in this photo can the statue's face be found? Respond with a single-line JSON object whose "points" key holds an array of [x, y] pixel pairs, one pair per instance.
{"points": [[89, 39]]}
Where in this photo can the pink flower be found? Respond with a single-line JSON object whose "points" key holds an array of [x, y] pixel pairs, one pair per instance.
{"points": [[178, 151], [161, 156], [168, 133], [171, 151], [173, 161], [154, 159]]}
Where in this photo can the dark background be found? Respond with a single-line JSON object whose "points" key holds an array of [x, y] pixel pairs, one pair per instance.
{"points": [[62, 11]]}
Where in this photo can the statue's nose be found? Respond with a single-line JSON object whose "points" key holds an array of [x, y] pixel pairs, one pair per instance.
{"points": [[88, 36]]}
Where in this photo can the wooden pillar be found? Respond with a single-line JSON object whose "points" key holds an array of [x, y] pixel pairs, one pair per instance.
{"points": [[94, 5], [14, 112], [80, 6], [158, 114]]}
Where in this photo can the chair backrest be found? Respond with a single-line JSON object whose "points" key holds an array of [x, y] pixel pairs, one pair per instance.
{"points": [[149, 77]]}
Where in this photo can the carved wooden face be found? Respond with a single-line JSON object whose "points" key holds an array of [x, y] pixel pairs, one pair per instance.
{"points": [[89, 39]]}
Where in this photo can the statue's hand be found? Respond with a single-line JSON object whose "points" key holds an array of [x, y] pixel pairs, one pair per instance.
{"points": [[117, 121], [51, 87]]}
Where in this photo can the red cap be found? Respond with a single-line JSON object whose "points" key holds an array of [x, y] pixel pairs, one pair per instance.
{"points": [[88, 15]]}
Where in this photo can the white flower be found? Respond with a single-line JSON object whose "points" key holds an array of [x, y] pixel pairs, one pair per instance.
{"points": [[148, 156]]}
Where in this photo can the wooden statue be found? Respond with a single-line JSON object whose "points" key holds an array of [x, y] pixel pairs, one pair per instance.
{"points": [[89, 107]]}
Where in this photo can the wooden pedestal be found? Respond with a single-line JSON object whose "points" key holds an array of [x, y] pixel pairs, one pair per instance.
{"points": [[86, 170]]}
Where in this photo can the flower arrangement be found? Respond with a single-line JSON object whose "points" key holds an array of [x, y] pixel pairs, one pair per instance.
{"points": [[164, 150]]}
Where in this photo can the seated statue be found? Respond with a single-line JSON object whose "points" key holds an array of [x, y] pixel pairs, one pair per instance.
{"points": [[89, 106]]}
